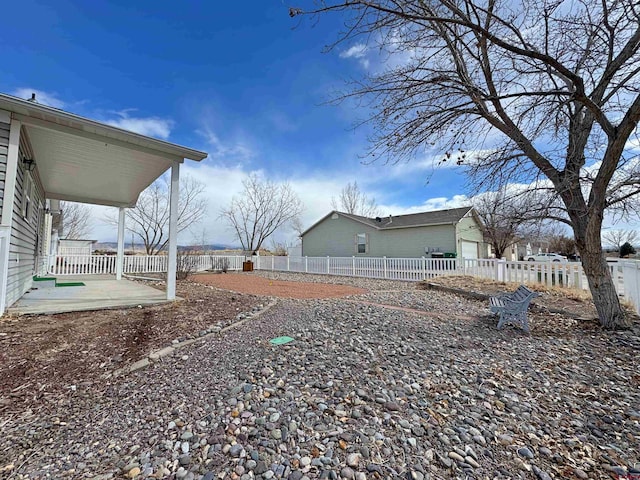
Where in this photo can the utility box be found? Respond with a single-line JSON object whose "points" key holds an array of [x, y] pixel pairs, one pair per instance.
{"points": [[247, 266]]}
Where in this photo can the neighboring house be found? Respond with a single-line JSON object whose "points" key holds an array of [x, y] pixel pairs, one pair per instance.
{"points": [[427, 234], [47, 155]]}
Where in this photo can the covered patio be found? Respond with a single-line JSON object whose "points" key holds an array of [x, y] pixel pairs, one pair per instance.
{"points": [[97, 292], [80, 160]]}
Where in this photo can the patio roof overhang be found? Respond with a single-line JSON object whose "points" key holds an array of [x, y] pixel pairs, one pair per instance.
{"points": [[81, 160]]}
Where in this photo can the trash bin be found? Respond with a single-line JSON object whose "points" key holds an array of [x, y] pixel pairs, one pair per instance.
{"points": [[450, 254], [247, 266], [437, 255]]}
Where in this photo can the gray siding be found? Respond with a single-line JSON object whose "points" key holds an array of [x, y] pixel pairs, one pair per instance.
{"points": [[4, 145], [26, 234], [336, 238]]}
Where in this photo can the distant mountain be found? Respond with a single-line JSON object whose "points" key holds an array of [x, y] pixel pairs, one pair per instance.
{"points": [[140, 246]]}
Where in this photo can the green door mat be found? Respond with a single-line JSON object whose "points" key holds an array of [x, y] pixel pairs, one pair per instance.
{"points": [[280, 340], [70, 284]]}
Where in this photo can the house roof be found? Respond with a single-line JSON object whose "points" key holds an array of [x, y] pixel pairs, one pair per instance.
{"points": [[82, 160], [422, 219]]}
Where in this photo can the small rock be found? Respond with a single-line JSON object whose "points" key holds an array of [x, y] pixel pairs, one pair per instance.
{"points": [[134, 472], [236, 450], [347, 473], [353, 459], [525, 453], [391, 406], [455, 456]]}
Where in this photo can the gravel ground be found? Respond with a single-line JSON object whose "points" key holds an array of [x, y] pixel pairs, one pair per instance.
{"points": [[364, 392], [45, 356]]}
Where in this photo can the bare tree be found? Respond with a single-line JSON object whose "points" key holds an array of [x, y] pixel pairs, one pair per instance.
{"points": [[261, 209], [520, 91], [298, 227], [352, 200], [617, 238], [149, 220], [502, 219], [75, 219]]}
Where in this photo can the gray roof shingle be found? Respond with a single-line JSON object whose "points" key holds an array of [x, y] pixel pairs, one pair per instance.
{"points": [[437, 217]]}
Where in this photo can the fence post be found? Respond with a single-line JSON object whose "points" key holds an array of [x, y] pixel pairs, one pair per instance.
{"points": [[424, 268], [288, 263], [306, 264], [328, 260], [353, 265], [384, 262], [273, 262], [503, 269]]}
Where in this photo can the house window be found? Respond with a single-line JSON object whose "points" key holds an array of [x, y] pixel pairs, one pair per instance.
{"points": [[27, 194], [362, 243]]}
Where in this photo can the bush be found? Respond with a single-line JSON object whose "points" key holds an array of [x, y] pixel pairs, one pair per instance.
{"points": [[627, 249], [219, 264], [186, 265]]}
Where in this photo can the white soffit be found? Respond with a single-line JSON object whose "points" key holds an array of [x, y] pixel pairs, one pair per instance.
{"points": [[85, 161]]}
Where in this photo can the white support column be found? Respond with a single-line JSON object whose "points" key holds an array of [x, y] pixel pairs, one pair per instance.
{"points": [[7, 207], [173, 232], [120, 256]]}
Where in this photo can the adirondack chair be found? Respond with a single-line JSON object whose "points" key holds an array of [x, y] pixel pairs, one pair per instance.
{"points": [[513, 307]]}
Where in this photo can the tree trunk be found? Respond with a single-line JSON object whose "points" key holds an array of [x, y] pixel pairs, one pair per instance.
{"points": [[603, 291]]}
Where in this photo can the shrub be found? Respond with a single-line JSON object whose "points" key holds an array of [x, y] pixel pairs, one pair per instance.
{"points": [[186, 265], [219, 264], [627, 249]]}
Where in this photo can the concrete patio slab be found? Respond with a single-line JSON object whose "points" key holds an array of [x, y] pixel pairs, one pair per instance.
{"points": [[99, 292]]}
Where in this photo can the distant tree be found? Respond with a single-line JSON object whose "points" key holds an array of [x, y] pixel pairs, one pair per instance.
{"points": [[261, 209], [562, 244], [75, 220], [518, 91], [501, 219], [627, 249], [279, 249], [352, 200], [149, 220], [297, 227], [616, 238]]}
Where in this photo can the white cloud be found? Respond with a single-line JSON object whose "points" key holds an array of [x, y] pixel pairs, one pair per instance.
{"points": [[358, 51], [149, 126], [45, 98], [233, 151], [430, 204]]}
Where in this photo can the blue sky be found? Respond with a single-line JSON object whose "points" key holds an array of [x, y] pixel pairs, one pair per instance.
{"points": [[240, 80]]}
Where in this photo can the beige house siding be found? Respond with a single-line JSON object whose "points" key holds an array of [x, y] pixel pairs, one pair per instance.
{"points": [[336, 238], [467, 229], [26, 232]]}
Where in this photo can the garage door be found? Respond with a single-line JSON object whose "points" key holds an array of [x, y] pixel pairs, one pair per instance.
{"points": [[469, 249]]}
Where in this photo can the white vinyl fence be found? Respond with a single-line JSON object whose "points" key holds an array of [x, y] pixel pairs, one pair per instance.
{"points": [[132, 264], [626, 273]]}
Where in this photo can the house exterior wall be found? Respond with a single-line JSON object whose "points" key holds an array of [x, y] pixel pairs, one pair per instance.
{"points": [[27, 237], [4, 147], [336, 238], [467, 229]]}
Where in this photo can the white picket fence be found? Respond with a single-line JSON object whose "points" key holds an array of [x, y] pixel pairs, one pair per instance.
{"points": [[626, 274], [132, 264]]}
